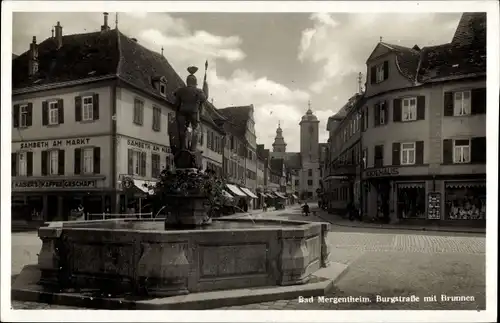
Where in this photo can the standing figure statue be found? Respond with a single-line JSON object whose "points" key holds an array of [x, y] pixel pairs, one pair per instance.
{"points": [[189, 102]]}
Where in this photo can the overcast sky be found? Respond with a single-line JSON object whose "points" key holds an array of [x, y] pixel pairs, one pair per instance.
{"points": [[275, 61]]}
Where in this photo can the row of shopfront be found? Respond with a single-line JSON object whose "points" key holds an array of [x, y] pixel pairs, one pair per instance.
{"points": [[394, 194], [61, 199]]}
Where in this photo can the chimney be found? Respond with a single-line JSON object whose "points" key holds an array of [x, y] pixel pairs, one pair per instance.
{"points": [[58, 29], [105, 27], [33, 57], [52, 30]]}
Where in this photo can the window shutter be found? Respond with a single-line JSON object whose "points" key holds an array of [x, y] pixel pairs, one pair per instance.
{"points": [[376, 115], [130, 162], [60, 110], [60, 162], [478, 150], [421, 107], [386, 112], [386, 70], [143, 164], [78, 108], [419, 154], [373, 75], [396, 110], [95, 106], [97, 160], [367, 119], [396, 153], [29, 119], [45, 162], [15, 116], [78, 161], [448, 104], [448, 151], [478, 101], [45, 113], [29, 163], [13, 157]]}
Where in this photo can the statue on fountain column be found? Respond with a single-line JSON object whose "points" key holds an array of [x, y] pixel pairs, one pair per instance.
{"points": [[184, 130]]}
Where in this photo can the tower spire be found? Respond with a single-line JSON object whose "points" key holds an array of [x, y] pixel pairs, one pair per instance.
{"points": [[116, 20], [205, 84]]}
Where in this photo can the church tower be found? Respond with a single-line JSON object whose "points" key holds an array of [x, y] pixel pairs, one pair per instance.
{"points": [[309, 151], [279, 145]]}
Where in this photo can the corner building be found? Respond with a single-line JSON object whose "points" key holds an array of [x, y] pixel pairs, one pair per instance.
{"points": [[88, 111], [424, 129]]}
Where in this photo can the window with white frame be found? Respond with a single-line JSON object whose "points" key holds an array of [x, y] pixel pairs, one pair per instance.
{"points": [[461, 103], [138, 111], [461, 151], [88, 160], [163, 89], [23, 115], [87, 108], [409, 109], [54, 162], [380, 73], [136, 161], [22, 163], [382, 114], [408, 153], [53, 113]]}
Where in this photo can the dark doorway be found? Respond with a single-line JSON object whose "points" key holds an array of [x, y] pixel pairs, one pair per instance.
{"points": [[52, 208]]}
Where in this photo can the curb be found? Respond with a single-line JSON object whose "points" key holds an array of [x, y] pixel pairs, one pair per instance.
{"points": [[30, 292], [431, 229]]}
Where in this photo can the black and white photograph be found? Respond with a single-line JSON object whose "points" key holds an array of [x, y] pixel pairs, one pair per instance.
{"points": [[249, 159]]}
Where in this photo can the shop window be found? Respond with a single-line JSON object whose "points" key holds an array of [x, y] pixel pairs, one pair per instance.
{"points": [[411, 200], [461, 103], [461, 151], [465, 201], [408, 153]]}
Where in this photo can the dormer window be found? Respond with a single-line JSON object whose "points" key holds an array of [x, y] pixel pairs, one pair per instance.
{"points": [[163, 89], [380, 73]]}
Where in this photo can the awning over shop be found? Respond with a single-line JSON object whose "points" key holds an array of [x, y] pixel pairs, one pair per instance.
{"points": [[410, 185], [269, 195], [144, 186], [263, 195], [248, 192], [295, 196], [278, 194], [465, 184], [336, 178], [227, 195], [235, 190]]}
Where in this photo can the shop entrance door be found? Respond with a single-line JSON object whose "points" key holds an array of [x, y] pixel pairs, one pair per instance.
{"points": [[52, 207]]}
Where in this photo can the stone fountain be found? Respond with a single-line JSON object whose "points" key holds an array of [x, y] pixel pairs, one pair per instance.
{"points": [[188, 251]]}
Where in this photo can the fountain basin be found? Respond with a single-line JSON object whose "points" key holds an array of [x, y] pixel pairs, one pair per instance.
{"points": [[139, 257]]}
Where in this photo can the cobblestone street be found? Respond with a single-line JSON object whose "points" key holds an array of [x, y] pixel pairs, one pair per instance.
{"points": [[381, 262]]}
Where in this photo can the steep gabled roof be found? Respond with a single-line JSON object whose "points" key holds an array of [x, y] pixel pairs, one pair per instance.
{"points": [[465, 55], [94, 55], [406, 60], [138, 65], [81, 56], [237, 118]]}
